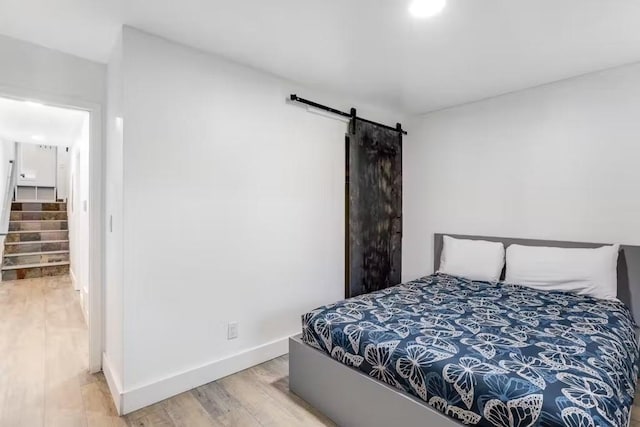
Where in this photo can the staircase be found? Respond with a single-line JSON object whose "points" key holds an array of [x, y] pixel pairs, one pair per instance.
{"points": [[37, 244]]}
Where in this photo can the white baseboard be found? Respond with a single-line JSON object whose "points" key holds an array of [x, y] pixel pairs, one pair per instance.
{"points": [[84, 301], [74, 281], [84, 298], [112, 382], [2, 238], [170, 386]]}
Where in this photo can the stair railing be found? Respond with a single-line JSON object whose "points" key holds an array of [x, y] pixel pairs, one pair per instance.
{"points": [[11, 181]]}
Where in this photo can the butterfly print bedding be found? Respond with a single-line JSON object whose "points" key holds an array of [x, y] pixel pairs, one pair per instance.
{"points": [[489, 354]]}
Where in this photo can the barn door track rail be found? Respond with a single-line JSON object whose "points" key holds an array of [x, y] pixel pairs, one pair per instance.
{"points": [[352, 114]]}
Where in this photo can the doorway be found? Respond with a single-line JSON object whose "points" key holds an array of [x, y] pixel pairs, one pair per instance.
{"points": [[52, 148]]}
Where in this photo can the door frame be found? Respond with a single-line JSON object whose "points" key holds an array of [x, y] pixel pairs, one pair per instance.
{"points": [[95, 305]]}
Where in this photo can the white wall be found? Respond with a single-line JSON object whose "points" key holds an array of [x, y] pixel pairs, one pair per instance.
{"points": [[38, 164], [78, 213], [38, 69], [233, 211], [559, 161], [114, 253], [63, 175]]}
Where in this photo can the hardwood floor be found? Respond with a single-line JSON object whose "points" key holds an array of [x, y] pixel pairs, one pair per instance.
{"points": [[44, 354], [44, 381], [258, 396]]}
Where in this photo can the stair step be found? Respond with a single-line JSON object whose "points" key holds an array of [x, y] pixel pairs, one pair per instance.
{"points": [[30, 271], [36, 231], [42, 264], [37, 246], [37, 225], [37, 215], [36, 235], [46, 257], [37, 241], [65, 251], [37, 201], [39, 220], [39, 206], [36, 221]]}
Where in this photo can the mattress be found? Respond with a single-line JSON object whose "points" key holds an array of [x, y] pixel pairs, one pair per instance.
{"points": [[489, 354]]}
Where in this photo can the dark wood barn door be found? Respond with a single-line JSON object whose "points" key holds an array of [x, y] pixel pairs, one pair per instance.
{"points": [[374, 208]]}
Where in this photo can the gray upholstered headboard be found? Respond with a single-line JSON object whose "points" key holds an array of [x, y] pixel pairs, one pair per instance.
{"points": [[628, 263]]}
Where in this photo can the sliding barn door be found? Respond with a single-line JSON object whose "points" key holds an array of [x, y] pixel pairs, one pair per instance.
{"points": [[374, 208]]}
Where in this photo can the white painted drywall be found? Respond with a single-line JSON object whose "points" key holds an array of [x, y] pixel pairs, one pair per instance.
{"points": [[233, 211], [37, 165], [63, 173], [78, 212], [556, 162], [113, 289], [38, 69]]}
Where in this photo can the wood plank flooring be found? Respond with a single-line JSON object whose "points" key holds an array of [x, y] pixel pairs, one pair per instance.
{"points": [[44, 354], [44, 381]]}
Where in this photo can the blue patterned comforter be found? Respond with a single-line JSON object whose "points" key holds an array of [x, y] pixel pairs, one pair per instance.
{"points": [[489, 354]]}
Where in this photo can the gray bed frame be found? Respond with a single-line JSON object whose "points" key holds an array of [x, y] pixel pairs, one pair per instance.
{"points": [[353, 399]]}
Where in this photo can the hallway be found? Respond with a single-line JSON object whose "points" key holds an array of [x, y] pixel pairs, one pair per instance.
{"points": [[43, 348]]}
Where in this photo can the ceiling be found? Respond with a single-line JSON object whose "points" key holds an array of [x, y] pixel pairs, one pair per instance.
{"points": [[40, 124], [370, 49]]}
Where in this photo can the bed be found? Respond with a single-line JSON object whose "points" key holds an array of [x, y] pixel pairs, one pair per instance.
{"points": [[446, 351]]}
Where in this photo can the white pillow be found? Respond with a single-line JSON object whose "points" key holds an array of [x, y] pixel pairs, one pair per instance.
{"points": [[582, 271], [472, 259]]}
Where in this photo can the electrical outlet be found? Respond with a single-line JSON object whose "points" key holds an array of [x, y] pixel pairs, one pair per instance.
{"points": [[232, 330]]}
